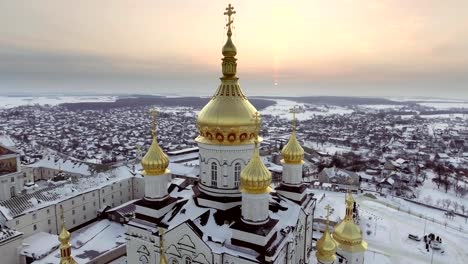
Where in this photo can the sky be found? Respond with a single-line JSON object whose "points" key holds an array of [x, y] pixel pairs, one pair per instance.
{"points": [[294, 48]]}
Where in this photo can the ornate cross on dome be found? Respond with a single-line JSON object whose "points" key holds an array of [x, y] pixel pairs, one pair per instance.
{"points": [[294, 111], [328, 208], [229, 12], [154, 114], [256, 117], [62, 216]]}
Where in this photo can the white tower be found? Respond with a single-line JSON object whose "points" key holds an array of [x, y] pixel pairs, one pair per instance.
{"points": [[226, 135], [155, 164], [291, 185], [255, 187]]}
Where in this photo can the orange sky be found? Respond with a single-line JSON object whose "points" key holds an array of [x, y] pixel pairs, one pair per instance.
{"points": [[316, 46]]}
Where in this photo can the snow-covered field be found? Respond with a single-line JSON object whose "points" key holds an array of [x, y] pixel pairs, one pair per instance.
{"points": [[386, 230], [282, 110], [446, 105], [14, 101]]}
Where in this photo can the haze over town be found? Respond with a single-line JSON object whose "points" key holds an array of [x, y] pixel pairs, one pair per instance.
{"points": [[333, 47]]}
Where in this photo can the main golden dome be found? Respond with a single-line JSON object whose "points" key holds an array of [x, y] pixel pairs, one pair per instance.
{"points": [[227, 119]]}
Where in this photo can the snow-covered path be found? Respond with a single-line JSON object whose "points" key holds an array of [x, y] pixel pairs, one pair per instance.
{"points": [[392, 231]]}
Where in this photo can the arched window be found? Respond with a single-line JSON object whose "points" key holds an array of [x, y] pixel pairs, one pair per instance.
{"points": [[237, 171], [214, 174], [188, 260]]}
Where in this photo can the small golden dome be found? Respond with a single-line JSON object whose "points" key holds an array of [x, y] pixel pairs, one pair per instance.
{"points": [[64, 236], [255, 178], [347, 233], [293, 152], [229, 49], [326, 247], [155, 162]]}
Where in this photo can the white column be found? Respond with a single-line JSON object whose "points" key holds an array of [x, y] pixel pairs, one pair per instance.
{"points": [[292, 173], [156, 186], [255, 208]]}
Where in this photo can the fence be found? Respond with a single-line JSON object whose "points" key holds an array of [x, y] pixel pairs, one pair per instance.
{"points": [[422, 216]]}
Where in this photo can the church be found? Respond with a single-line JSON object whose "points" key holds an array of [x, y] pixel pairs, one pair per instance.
{"points": [[232, 214]]}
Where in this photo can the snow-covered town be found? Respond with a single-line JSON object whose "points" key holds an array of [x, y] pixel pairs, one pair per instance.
{"points": [[401, 168], [233, 179]]}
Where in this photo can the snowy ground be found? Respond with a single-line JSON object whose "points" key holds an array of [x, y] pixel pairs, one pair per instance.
{"points": [[446, 105], [388, 231], [282, 110]]}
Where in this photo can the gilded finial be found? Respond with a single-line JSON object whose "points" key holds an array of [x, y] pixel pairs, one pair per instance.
{"points": [[162, 254], [256, 117], [229, 12], [294, 111], [293, 153], [328, 208], [155, 161], [229, 50], [62, 217], [65, 246], [326, 245], [154, 115]]}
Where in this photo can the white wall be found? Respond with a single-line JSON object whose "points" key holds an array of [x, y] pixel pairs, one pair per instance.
{"points": [[77, 210], [9, 250], [225, 158]]}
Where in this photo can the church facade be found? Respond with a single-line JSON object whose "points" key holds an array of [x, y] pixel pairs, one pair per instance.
{"points": [[231, 215]]}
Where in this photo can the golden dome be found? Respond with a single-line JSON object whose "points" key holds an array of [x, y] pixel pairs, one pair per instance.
{"points": [[64, 236], [227, 118], [347, 233], [326, 247], [65, 246], [255, 178], [229, 49], [155, 162], [293, 152]]}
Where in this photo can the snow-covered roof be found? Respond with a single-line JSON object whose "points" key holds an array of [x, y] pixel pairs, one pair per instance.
{"points": [[39, 245], [50, 195], [7, 142], [6, 234], [91, 242], [65, 165], [336, 172]]}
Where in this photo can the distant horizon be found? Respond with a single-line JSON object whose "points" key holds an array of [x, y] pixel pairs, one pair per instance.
{"points": [[86, 94], [317, 48]]}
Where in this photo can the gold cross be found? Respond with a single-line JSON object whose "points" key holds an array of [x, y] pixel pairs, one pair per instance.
{"points": [[229, 12], [294, 111], [62, 216], [328, 208], [256, 117], [154, 114]]}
